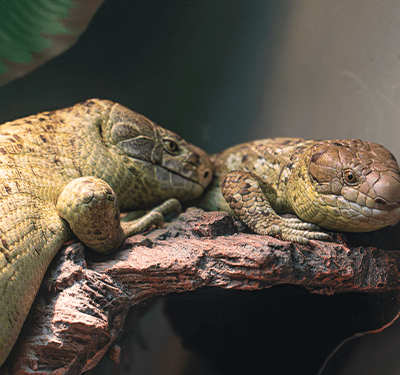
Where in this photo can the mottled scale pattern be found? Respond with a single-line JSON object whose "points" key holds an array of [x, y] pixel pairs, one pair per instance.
{"points": [[136, 163], [344, 185]]}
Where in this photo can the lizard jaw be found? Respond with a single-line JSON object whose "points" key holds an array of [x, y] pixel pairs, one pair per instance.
{"points": [[169, 183]]}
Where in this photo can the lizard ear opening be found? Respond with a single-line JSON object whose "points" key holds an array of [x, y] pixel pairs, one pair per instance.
{"points": [[322, 166], [139, 148], [127, 124], [135, 135], [123, 131]]}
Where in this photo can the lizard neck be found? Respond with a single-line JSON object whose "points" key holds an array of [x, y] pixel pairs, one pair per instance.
{"points": [[302, 195]]}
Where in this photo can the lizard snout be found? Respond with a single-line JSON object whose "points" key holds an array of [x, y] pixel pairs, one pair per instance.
{"points": [[387, 190], [203, 166], [205, 173]]}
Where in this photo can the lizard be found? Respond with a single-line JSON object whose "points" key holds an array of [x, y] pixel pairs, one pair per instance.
{"points": [[70, 172], [340, 185]]}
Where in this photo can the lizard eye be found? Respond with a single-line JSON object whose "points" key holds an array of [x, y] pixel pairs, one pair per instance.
{"points": [[350, 176], [171, 146]]}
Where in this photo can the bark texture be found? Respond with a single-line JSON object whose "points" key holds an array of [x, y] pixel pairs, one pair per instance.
{"points": [[80, 309]]}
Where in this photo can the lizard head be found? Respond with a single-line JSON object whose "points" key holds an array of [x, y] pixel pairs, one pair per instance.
{"points": [[169, 165], [357, 183]]}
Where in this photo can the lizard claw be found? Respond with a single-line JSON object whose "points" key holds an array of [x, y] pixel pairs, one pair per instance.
{"points": [[295, 223], [303, 236], [294, 230]]}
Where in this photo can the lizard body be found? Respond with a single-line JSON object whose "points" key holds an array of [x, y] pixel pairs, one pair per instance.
{"points": [[76, 168], [344, 185]]}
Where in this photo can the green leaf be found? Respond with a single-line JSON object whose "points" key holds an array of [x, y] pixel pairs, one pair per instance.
{"points": [[24, 24]]}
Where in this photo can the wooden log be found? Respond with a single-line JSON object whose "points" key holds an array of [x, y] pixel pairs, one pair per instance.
{"points": [[80, 309]]}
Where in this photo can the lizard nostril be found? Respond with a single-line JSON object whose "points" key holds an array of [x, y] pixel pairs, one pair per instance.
{"points": [[206, 174], [380, 202]]}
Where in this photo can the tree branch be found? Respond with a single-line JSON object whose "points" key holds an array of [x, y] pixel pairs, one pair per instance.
{"points": [[80, 309]]}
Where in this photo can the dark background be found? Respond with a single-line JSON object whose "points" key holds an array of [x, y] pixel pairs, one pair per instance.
{"points": [[195, 67], [222, 72]]}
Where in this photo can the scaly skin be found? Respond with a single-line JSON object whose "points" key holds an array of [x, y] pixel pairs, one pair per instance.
{"points": [[344, 185], [131, 162]]}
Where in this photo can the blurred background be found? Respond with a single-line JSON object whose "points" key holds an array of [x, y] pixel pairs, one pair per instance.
{"points": [[227, 71]]}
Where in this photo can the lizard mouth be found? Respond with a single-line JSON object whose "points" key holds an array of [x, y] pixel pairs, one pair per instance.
{"points": [[167, 182], [194, 166], [361, 218], [381, 217], [202, 177]]}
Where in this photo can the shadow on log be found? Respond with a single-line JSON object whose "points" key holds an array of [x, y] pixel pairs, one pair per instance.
{"points": [[81, 306]]}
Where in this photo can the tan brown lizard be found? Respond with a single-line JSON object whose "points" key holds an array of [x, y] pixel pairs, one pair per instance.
{"points": [[343, 185], [76, 168]]}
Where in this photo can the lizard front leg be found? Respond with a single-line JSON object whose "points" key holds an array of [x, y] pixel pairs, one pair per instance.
{"points": [[90, 207], [249, 197]]}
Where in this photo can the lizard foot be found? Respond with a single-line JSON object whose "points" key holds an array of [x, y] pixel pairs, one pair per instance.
{"points": [[90, 207], [153, 217], [247, 196], [296, 230], [293, 230]]}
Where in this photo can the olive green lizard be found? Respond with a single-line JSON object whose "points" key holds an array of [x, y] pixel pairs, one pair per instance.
{"points": [[76, 168], [342, 185]]}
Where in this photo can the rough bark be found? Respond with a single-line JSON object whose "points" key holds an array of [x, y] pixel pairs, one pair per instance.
{"points": [[80, 309]]}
